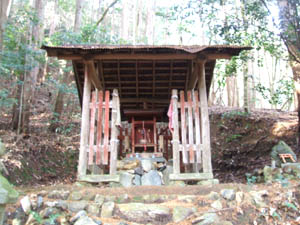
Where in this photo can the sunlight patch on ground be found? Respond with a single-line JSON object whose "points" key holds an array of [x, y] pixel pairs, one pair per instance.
{"points": [[283, 128]]}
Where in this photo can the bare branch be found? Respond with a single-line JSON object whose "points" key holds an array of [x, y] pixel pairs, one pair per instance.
{"points": [[106, 11]]}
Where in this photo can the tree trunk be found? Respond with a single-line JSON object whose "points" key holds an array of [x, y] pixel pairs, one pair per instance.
{"points": [[245, 64], [5, 6], [31, 76], [125, 21], [25, 93], [16, 107], [290, 33], [59, 102], [77, 22]]}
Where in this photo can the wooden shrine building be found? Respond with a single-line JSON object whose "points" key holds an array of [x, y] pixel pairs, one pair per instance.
{"points": [[161, 91]]}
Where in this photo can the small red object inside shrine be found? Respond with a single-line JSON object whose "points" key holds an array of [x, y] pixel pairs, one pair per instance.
{"points": [[143, 129]]}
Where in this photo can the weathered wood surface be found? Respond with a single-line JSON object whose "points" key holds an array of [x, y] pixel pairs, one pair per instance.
{"points": [[114, 134], [197, 126], [103, 139], [183, 128], [207, 167], [106, 128], [84, 133], [176, 156], [92, 129], [99, 127], [191, 128]]}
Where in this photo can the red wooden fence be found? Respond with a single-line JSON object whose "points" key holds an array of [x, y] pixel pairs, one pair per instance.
{"points": [[102, 135]]}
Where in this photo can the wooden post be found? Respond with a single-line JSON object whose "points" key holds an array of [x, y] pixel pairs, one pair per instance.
{"points": [[84, 134], [176, 156], [114, 134], [206, 157]]}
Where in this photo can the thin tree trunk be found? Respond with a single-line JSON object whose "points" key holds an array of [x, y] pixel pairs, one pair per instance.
{"points": [[59, 102], [124, 29], [78, 13], [5, 6], [17, 105], [31, 76], [245, 64], [290, 33]]}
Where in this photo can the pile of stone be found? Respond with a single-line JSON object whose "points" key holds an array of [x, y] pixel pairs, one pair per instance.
{"points": [[143, 171], [86, 208], [289, 171]]}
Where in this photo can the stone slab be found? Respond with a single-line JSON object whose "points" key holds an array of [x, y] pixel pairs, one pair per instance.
{"points": [[191, 176], [99, 178]]}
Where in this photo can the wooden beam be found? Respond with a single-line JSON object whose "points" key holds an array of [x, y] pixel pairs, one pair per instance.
{"points": [[188, 74], [207, 167], [126, 56], [137, 78], [175, 133], [194, 76], [78, 83], [101, 74], [114, 133], [141, 100], [153, 78], [145, 82], [119, 79], [84, 134], [93, 74], [170, 78], [214, 56]]}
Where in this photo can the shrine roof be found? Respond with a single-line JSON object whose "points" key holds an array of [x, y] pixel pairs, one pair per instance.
{"points": [[143, 73]]}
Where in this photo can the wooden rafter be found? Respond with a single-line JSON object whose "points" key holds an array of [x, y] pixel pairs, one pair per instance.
{"points": [[218, 56], [153, 78], [128, 56], [141, 100], [119, 79], [170, 77], [101, 74], [188, 74], [136, 79], [93, 74], [78, 83]]}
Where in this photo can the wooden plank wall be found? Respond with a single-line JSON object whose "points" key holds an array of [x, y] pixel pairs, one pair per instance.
{"points": [[103, 118], [190, 141]]}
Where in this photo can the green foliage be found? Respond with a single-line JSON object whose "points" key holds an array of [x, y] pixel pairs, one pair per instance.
{"points": [[5, 100], [283, 93], [51, 220], [235, 113], [251, 179], [233, 137], [275, 215], [290, 206], [36, 216], [282, 180]]}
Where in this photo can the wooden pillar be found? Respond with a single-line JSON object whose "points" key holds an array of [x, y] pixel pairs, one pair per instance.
{"points": [[85, 117], [176, 156], [207, 167], [114, 134]]}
